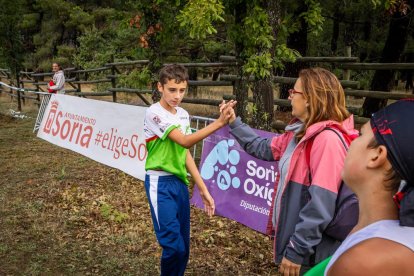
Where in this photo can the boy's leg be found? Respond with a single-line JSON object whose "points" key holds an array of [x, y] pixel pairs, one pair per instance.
{"points": [[169, 202], [184, 218]]}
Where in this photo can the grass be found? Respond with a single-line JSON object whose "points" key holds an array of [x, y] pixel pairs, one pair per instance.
{"points": [[64, 214]]}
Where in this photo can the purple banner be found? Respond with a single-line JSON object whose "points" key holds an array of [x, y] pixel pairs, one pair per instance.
{"points": [[241, 185]]}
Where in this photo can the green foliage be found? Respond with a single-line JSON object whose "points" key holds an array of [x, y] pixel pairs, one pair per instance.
{"points": [[52, 24], [63, 61], [93, 50], [284, 54], [392, 6], [62, 174], [104, 15], [265, 116], [138, 78], [376, 3], [387, 4], [313, 16], [251, 111], [29, 21], [98, 46], [108, 212], [90, 33], [45, 65], [257, 31], [66, 50], [11, 46], [288, 25], [79, 19], [198, 17], [364, 78], [257, 39], [125, 42], [212, 48], [259, 65]]}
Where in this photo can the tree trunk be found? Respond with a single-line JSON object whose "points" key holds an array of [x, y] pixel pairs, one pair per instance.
{"points": [[240, 89], [393, 48], [335, 31], [367, 37], [298, 41], [273, 12], [262, 89], [263, 104]]}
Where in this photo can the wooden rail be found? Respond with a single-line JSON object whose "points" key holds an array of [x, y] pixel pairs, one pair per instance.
{"points": [[377, 66], [79, 77], [288, 80]]}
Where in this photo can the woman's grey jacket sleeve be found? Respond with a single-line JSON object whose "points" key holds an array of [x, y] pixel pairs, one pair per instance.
{"points": [[252, 143]]}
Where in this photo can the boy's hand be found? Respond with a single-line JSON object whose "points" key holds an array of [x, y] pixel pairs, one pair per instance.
{"points": [[228, 110], [208, 201], [232, 114], [223, 104], [227, 113]]}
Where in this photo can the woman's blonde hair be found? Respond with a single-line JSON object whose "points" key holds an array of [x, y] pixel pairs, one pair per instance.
{"points": [[325, 96]]}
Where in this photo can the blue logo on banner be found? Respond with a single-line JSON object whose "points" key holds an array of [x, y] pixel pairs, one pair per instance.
{"points": [[221, 164]]}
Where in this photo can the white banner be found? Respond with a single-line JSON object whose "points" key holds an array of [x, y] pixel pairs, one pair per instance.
{"points": [[109, 133]]}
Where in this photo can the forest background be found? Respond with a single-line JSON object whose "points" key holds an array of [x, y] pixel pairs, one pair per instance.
{"points": [[265, 37], [62, 214]]}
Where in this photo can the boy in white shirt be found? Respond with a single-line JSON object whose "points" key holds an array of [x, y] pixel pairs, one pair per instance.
{"points": [[168, 137]]}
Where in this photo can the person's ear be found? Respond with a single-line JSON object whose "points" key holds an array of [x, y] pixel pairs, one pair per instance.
{"points": [[160, 87], [377, 157]]}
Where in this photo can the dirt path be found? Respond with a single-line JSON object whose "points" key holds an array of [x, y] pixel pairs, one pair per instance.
{"points": [[64, 214]]}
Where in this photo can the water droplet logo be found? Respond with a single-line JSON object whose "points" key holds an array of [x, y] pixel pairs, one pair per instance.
{"points": [[222, 160]]}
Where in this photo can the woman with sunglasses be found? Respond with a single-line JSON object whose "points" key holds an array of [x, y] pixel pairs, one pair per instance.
{"points": [[303, 206]]}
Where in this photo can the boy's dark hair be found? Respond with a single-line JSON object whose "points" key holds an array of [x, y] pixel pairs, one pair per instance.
{"points": [[173, 72]]}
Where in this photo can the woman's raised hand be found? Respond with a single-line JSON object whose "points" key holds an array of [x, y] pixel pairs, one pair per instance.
{"points": [[227, 111]]}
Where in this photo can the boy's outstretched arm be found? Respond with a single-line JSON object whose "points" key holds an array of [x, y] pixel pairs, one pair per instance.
{"points": [[187, 141], [208, 201]]}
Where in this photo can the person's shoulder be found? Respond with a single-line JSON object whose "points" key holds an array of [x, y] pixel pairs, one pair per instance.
{"points": [[375, 256], [154, 108], [329, 137], [182, 113], [153, 112]]}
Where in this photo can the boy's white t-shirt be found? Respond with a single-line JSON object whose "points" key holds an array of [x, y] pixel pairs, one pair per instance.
{"points": [[163, 153]]}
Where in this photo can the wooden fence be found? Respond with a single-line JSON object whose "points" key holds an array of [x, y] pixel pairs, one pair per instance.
{"points": [[75, 78]]}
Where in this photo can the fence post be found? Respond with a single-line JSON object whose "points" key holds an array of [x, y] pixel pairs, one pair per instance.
{"points": [[77, 78], [22, 86], [11, 90], [113, 80], [113, 83], [19, 99], [19, 102], [38, 90]]}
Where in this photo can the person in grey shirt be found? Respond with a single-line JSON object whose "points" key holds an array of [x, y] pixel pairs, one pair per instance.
{"points": [[58, 79]]}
